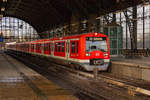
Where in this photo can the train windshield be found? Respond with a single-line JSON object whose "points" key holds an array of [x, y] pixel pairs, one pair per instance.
{"points": [[96, 43]]}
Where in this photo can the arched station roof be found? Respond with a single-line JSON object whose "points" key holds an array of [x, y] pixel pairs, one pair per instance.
{"points": [[43, 14]]}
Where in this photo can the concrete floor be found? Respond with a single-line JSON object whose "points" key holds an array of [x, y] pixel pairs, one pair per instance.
{"points": [[18, 82]]}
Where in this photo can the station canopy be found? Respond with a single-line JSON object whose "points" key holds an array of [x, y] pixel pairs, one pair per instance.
{"points": [[44, 14]]}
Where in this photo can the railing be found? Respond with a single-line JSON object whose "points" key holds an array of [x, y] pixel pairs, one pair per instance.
{"points": [[137, 52]]}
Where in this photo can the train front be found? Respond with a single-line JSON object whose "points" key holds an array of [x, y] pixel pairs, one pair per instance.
{"points": [[97, 52]]}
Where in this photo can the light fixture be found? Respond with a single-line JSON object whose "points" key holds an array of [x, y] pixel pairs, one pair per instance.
{"points": [[4, 0], [98, 18], [2, 9], [1, 15]]}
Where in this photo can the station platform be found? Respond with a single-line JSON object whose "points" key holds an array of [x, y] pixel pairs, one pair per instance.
{"points": [[137, 68], [143, 61], [18, 82]]}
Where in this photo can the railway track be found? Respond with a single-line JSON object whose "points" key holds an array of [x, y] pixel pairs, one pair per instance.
{"points": [[100, 89], [132, 88], [83, 94]]}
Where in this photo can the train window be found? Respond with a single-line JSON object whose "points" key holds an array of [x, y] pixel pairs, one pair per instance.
{"points": [[56, 47], [52, 46], [44, 47], [97, 43], [38, 46], [32, 46], [28, 47], [59, 47], [63, 45], [49, 47], [73, 47], [77, 47]]}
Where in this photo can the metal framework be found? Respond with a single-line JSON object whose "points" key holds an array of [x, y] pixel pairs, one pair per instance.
{"points": [[49, 17], [44, 14], [13, 29], [128, 18]]}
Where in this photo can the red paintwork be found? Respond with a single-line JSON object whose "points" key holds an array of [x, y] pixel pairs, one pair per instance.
{"points": [[39, 46], [48, 52], [75, 55], [61, 54]]}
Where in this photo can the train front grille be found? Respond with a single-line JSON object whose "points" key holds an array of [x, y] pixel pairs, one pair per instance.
{"points": [[96, 61]]}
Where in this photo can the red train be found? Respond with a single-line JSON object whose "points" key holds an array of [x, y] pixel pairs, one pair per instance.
{"points": [[85, 51]]}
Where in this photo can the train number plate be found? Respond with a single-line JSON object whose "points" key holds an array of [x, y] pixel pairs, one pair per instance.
{"points": [[96, 62]]}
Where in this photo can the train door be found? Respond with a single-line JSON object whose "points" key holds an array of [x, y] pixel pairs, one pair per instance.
{"points": [[37, 48], [42, 48], [34, 49], [49, 48], [45, 48], [29, 47], [74, 49], [52, 48], [67, 49]]}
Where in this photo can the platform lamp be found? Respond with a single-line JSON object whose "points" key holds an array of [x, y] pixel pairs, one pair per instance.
{"points": [[1, 13], [1, 16], [4, 0], [2, 9]]}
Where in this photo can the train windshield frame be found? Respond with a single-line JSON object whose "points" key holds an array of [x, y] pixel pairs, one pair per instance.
{"points": [[96, 44]]}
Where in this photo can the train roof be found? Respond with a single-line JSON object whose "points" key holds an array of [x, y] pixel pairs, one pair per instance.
{"points": [[74, 36], [67, 37]]}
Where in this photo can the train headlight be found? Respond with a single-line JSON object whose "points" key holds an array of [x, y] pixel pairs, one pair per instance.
{"points": [[96, 34], [88, 54], [105, 54]]}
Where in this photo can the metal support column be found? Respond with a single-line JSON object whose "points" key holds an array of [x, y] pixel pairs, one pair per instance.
{"points": [[114, 18], [143, 26], [1, 28], [132, 23], [134, 35], [22, 34], [126, 35], [9, 28], [53, 31], [5, 27], [18, 30], [14, 28], [30, 33], [49, 32]]}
